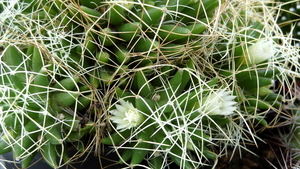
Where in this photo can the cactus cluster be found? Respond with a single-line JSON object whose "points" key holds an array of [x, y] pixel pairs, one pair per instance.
{"points": [[34, 107], [288, 20], [157, 80], [49, 85], [166, 106]]}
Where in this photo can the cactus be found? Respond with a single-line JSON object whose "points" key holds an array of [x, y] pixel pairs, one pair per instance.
{"points": [[173, 78], [288, 19]]}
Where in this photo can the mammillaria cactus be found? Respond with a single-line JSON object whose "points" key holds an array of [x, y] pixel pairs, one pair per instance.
{"points": [[160, 81]]}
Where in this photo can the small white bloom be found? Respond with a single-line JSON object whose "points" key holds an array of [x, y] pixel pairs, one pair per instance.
{"points": [[126, 115], [218, 103], [260, 51]]}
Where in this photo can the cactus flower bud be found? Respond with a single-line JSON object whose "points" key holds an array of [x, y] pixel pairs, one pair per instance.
{"points": [[260, 52]]}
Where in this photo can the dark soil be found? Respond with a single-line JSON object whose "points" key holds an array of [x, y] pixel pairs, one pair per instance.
{"points": [[268, 157]]}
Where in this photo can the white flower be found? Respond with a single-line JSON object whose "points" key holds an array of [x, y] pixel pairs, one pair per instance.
{"points": [[126, 115], [260, 51], [218, 103]]}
